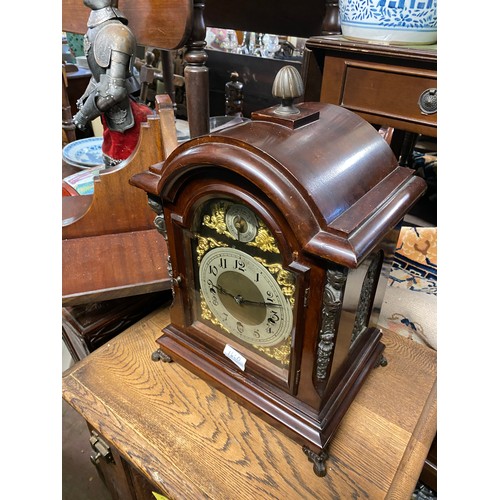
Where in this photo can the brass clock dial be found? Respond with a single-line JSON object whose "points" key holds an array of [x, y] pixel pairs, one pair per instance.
{"points": [[242, 290], [244, 296]]}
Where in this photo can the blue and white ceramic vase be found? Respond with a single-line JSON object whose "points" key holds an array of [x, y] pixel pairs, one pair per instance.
{"points": [[398, 22]]}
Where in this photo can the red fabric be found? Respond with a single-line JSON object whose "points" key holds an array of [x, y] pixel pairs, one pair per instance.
{"points": [[120, 145]]}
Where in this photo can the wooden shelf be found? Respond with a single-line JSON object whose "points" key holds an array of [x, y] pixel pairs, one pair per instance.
{"points": [[112, 266]]}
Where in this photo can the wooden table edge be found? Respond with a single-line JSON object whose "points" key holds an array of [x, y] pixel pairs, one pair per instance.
{"points": [[124, 451], [116, 292], [417, 449]]}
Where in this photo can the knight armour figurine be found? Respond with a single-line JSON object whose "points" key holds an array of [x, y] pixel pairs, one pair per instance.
{"points": [[110, 50]]}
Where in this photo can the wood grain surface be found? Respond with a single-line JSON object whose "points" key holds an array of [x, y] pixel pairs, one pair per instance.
{"points": [[158, 23], [193, 442], [290, 18], [112, 266]]}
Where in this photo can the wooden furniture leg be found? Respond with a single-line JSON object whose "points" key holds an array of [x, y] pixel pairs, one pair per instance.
{"points": [[196, 75], [167, 65], [68, 127], [331, 21]]}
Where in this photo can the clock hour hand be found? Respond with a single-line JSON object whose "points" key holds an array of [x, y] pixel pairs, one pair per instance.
{"points": [[240, 300], [223, 291], [254, 303]]}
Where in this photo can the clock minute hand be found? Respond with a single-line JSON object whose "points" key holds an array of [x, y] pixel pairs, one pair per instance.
{"points": [[240, 300], [223, 291], [255, 303]]}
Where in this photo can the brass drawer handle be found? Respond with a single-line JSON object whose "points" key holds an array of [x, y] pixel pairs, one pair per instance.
{"points": [[427, 101]]}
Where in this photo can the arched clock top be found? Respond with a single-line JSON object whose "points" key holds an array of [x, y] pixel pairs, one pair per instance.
{"points": [[334, 179]]}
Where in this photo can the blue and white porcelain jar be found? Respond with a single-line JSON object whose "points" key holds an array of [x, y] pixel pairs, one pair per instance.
{"points": [[404, 22]]}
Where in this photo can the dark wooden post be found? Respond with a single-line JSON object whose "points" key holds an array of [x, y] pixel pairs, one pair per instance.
{"points": [[167, 65], [67, 118], [196, 75], [331, 21]]}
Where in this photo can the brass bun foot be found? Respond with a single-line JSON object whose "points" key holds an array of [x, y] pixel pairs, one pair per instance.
{"points": [[318, 460], [382, 361], [159, 355]]}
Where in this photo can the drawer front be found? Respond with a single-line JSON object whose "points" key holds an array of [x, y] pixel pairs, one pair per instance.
{"points": [[383, 94]]}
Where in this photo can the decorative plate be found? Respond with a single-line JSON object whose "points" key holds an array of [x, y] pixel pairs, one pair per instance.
{"points": [[84, 152]]}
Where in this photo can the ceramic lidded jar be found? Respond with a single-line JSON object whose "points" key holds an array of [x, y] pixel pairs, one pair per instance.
{"points": [[397, 22]]}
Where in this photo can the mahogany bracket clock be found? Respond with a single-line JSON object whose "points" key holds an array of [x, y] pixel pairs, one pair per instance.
{"points": [[280, 233]]}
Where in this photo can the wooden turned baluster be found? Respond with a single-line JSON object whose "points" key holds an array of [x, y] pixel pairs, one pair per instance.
{"points": [[196, 75], [167, 64], [67, 118], [331, 21], [234, 96]]}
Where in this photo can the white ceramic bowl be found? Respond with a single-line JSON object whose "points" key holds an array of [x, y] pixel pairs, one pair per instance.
{"points": [[398, 22]]}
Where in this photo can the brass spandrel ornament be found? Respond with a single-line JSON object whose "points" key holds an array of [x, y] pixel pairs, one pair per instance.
{"points": [[280, 354], [205, 244], [216, 220], [264, 241], [244, 222]]}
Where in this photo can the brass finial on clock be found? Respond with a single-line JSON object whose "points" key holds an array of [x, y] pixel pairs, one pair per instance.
{"points": [[287, 86]]}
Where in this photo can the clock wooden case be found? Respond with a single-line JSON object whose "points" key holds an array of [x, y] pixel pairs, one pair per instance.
{"points": [[280, 233]]}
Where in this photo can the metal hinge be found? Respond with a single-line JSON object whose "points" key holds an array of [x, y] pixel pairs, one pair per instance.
{"points": [[101, 448], [306, 297]]}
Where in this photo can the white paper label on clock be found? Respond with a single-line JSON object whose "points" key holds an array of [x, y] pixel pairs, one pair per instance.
{"points": [[235, 357]]}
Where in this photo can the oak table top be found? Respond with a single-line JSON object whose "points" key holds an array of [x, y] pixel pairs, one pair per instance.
{"points": [[191, 441]]}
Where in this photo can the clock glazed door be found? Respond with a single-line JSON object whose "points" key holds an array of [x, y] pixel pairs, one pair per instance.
{"points": [[242, 289], [242, 295]]}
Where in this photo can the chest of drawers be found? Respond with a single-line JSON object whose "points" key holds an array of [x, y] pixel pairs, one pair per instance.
{"points": [[387, 85]]}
